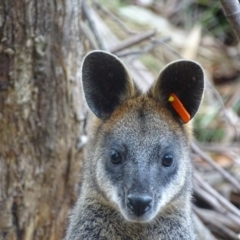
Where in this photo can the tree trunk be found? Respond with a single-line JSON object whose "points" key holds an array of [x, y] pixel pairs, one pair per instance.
{"points": [[41, 116]]}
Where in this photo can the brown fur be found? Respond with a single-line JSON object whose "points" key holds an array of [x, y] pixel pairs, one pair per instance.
{"points": [[142, 129]]}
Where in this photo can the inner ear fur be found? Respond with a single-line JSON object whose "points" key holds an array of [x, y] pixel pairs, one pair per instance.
{"points": [[106, 83], [185, 79]]}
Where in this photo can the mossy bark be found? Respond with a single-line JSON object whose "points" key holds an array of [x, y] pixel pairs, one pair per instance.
{"points": [[41, 116]]}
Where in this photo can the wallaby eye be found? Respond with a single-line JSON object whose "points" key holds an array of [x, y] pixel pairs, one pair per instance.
{"points": [[115, 157], [167, 160]]}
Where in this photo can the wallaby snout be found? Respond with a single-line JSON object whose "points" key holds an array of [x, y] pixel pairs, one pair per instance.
{"points": [[140, 195], [139, 204]]}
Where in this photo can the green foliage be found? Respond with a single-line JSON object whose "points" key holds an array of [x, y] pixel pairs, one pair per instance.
{"points": [[236, 107], [205, 126], [212, 18], [209, 134]]}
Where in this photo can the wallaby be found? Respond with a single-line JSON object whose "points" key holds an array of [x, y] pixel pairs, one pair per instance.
{"points": [[137, 179]]}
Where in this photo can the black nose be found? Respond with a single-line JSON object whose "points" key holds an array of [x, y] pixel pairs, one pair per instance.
{"points": [[139, 204]]}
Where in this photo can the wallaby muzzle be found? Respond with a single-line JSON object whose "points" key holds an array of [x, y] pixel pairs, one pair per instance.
{"points": [[139, 204]]}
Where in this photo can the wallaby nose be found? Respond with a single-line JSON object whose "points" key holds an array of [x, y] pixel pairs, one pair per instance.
{"points": [[139, 204]]}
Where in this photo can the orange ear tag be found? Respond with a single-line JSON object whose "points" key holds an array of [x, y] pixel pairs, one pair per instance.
{"points": [[179, 108]]}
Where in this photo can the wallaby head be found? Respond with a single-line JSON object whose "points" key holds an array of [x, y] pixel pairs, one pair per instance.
{"points": [[138, 160]]}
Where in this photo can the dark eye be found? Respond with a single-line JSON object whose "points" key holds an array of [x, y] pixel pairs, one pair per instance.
{"points": [[115, 157], [167, 160]]}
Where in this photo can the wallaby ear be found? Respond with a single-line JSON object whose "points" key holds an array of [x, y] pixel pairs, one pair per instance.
{"points": [[180, 88], [106, 83]]}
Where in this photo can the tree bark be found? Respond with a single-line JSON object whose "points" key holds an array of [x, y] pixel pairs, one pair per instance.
{"points": [[42, 116]]}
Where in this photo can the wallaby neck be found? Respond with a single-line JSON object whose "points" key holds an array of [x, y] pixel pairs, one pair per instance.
{"points": [[174, 222]]}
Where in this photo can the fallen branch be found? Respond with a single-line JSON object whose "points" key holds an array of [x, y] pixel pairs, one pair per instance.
{"points": [[168, 47], [132, 41], [208, 198], [202, 231], [88, 14], [145, 50], [231, 9], [218, 217], [224, 173], [114, 18], [216, 226], [88, 34], [224, 202]]}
